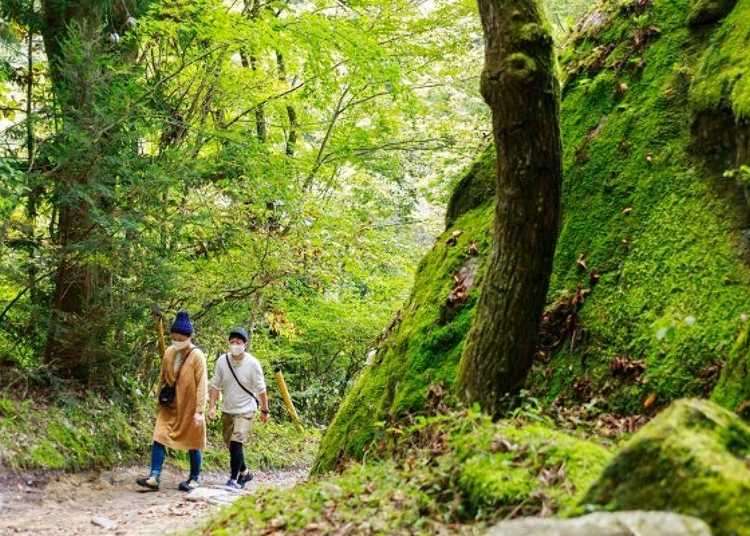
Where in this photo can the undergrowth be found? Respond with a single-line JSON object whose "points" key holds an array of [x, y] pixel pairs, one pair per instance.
{"points": [[455, 472]]}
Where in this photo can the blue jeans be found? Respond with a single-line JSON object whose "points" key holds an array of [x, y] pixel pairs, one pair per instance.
{"points": [[159, 452]]}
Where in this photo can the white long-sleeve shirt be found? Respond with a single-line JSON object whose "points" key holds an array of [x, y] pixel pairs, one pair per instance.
{"points": [[249, 371]]}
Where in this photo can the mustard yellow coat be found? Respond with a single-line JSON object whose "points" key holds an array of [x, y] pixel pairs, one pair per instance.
{"points": [[175, 426]]}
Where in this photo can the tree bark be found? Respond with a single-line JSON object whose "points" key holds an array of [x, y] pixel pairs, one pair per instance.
{"points": [[252, 11], [519, 85], [77, 326], [291, 140]]}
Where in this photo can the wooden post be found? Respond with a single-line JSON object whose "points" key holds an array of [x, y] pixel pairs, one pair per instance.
{"points": [[159, 320], [287, 399]]}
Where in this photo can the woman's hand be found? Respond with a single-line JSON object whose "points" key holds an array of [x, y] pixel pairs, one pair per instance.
{"points": [[198, 419], [264, 416]]}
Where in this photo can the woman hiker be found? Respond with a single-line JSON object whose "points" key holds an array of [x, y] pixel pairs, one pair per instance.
{"points": [[239, 378], [180, 424]]}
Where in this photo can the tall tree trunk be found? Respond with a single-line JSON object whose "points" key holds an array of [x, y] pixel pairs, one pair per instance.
{"points": [[77, 327], [252, 11], [291, 140], [519, 85]]}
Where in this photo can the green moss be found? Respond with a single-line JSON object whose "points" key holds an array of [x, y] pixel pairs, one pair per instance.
{"points": [[691, 459], [371, 497], [452, 473], [723, 75], [475, 187], [665, 243], [46, 455], [733, 389], [493, 477]]}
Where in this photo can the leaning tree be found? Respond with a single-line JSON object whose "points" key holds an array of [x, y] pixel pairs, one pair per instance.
{"points": [[519, 85]]}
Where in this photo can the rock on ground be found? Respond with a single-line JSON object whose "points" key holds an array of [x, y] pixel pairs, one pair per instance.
{"points": [[606, 524]]}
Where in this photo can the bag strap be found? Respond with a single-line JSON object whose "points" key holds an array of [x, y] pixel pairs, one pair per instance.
{"points": [[179, 369], [229, 364]]}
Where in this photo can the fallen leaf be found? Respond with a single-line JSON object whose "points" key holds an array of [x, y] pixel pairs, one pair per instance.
{"points": [[500, 444], [278, 522], [453, 240], [581, 262], [649, 401]]}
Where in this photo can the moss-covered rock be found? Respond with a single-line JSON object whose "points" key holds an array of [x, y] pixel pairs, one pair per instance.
{"points": [[505, 465], [691, 459], [646, 216]]}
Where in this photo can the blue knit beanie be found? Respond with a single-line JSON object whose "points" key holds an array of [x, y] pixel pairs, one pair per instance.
{"points": [[182, 324]]}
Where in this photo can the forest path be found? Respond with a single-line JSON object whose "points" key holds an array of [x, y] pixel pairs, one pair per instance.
{"points": [[111, 503]]}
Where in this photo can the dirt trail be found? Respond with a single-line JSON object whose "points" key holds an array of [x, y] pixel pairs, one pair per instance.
{"points": [[111, 503]]}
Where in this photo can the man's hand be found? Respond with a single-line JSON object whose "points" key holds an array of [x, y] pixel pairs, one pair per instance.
{"points": [[198, 419], [212, 413], [264, 416]]}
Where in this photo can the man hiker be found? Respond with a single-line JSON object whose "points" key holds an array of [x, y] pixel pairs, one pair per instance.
{"points": [[239, 377], [182, 401]]}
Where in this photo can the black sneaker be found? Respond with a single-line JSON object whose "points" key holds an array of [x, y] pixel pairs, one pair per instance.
{"points": [[188, 485], [244, 478], [151, 482]]}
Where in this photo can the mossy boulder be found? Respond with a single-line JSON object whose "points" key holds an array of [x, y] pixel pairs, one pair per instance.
{"points": [[691, 459], [709, 11]]}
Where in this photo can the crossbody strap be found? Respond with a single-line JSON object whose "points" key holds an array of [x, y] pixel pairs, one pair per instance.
{"points": [[179, 369], [229, 364]]}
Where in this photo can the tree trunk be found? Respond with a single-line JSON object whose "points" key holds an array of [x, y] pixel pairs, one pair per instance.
{"points": [[77, 326], [252, 11], [519, 85], [291, 113]]}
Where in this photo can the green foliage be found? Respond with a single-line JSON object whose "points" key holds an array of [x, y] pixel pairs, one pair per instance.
{"points": [[422, 347], [691, 459], [263, 166], [456, 471]]}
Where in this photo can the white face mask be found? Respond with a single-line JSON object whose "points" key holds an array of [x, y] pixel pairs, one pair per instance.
{"points": [[181, 345], [237, 349]]}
